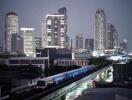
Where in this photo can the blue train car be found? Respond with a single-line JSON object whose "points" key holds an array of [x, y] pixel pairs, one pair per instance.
{"points": [[59, 78]]}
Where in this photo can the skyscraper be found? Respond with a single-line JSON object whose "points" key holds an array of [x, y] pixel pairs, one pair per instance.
{"points": [[62, 11], [16, 43], [79, 41], [20, 44], [11, 27], [112, 37], [28, 41], [123, 46], [100, 36], [89, 44], [55, 30]]}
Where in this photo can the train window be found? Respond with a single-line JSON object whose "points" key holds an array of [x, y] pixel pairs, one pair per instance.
{"points": [[41, 83], [50, 81]]}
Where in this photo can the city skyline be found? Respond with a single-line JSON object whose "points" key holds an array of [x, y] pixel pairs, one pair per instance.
{"points": [[80, 15]]}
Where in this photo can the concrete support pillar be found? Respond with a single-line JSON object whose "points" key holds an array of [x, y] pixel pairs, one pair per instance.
{"points": [[63, 97]]}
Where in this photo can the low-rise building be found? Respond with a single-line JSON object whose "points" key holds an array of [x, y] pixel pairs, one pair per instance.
{"points": [[39, 61], [64, 62], [54, 54], [82, 55]]}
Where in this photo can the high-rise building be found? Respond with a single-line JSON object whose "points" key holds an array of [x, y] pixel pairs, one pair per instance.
{"points": [[123, 46], [62, 11], [79, 41], [11, 27], [112, 37], [38, 42], [20, 44], [28, 41], [16, 43], [89, 44], [55, 31], [100, 36]]}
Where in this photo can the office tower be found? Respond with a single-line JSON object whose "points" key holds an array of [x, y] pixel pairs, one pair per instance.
{"points": [[55, 33], [28, 41], [67, 41], [79, 41], [100, 36], [71, 45], [11, 27], [20, 45], [123, 46], [62, 11], [112, 37], [1, 50], [16, 43], [89, 44], [37, 42], [43, 35], [54, 30]]}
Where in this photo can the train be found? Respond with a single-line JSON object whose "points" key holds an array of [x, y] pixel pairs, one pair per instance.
{"points": [[62, 77]]}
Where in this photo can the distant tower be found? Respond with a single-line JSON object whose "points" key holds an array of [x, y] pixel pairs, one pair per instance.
{"points": [[11, 27], [89, 44], [28, 41], [100, 36], [79, 41], [71, 45], [62, 11], [123, 46], [112, 37], [37, 42], [16, 43]]}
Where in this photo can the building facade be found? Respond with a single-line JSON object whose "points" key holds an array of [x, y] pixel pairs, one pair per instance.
{"points": [[20, 45], [112, 37], [89, 44], [80, 55], [62, 11], [28, 41], [38, 43], [54, 54], [16, 43], [11, 27], [100, 36], [67, 63], [79, 41], [54, 29], [123, 46], [122, 72]]}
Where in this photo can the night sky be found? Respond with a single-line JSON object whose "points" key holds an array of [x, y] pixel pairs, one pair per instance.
{"points": [[80, 15]]}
